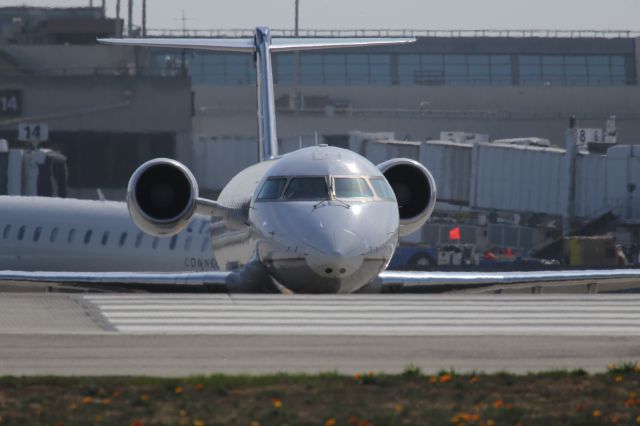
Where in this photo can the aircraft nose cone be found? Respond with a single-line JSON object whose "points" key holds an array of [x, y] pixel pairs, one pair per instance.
{"points": [[334, 253]]}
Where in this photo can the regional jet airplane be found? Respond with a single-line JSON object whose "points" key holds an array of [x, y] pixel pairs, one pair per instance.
{"points": [[317, 220], [57, 234]]}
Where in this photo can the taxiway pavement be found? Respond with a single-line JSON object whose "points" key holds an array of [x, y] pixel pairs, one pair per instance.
{"points": [[172, 335]]}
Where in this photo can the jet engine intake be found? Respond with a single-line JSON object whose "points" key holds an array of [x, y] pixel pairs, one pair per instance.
{"points": [[415, 191], [161, 196]]}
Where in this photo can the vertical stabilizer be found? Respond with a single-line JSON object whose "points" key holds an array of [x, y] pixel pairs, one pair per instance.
{"points": [[261, 46]]}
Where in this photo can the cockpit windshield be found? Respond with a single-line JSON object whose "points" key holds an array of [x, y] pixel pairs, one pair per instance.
{"points": [[272, 189], [307, 188], [347, 187], [382, 188]]}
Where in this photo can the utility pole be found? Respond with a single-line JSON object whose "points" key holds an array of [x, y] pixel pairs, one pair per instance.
{"points": [[144, 18], [120, 28], [104, 8], [130, 17], [298, 102]]}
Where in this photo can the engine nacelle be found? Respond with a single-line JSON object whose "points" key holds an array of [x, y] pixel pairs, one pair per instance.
{"points": [[415, 190], [161, 196]]}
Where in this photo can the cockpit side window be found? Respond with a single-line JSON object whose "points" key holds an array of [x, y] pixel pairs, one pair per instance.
{"points": [[344, 187], [307, 188], [272, 189], [382, 188]]}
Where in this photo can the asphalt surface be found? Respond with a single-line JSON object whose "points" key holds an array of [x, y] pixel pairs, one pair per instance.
{"points": [[173, 335]]}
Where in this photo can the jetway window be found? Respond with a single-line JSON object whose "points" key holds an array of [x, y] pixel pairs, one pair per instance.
{"points": [[87, 236], [105, 238], [382, 188], [7, 230], [123, 239], [351, 188], [36, 233], [139, 238], [308, 188], [54, 235], [21, 232], [272, 189]]}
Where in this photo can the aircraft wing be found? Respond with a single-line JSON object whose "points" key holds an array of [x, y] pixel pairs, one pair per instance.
{"points": [[210, 281], [593, 280]]}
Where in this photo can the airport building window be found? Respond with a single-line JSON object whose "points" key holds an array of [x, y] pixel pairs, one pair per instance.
{"points": [[36, 233], [123, 239], [105, 238], [174, 240], [454, 70], [7, 230], [87, 236], [71, 236], [21, 232], [139, 238], [272, 189], [345, 69], [54, 235], [572, 70]]}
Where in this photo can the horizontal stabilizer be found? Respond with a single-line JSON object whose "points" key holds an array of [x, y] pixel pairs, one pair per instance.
{"points": [[288, 44], [217, 44], [248, 44]]}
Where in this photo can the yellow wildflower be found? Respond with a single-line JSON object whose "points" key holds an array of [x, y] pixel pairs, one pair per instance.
{"points": [[433, 379], [198, 423], [106, 401], [446, 378], [330, 422], [277, 403], [73, 406], [398, 408], [357, 376], [179, 390], [87, 400], [498, 403], [618, 378], [491, 423], [597, 413], [145, 397], [255, 423], [474, 379]]}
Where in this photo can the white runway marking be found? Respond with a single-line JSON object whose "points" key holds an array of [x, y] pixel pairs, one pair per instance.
{"points": [[367, 315]]}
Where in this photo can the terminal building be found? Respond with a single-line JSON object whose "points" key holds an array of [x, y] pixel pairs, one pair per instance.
{"points": [[109, 108]]}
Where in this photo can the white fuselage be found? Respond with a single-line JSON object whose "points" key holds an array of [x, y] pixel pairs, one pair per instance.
{"points": [[55, 234], [326, 242]]}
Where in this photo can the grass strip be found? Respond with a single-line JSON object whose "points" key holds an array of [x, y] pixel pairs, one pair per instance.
{"points": [[410, 398]]}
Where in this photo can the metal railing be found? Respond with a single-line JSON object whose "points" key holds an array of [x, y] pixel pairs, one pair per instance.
{"points": [[526, 33]]}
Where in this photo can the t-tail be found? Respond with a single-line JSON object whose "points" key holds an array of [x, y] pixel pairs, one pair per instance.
{"points": [[261, 47]]}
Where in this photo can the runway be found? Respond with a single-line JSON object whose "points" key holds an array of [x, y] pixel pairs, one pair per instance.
{"points": [[172, 335]]}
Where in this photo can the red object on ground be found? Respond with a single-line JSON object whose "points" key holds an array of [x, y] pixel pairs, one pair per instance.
{"points": [[454, 234]]}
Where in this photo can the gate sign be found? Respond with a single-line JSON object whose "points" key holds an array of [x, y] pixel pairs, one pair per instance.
{"points": [[10, 103], [33, 132], [586, 135]]}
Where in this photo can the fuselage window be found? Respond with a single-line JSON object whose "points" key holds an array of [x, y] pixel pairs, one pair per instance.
{"points": [[172, 244], [187, 243], [351, 188], [5, 233], [21, 232], [105, 238], [139, 239], [203, 225], [87, 236], [308, 188], [155, 243], [123, 238], [71, 236], [272, 189], [205, 244], [54, 235], [36, 233], [382, 188]]}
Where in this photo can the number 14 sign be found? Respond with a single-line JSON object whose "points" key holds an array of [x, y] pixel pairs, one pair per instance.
{"points": [[33, 132]]}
